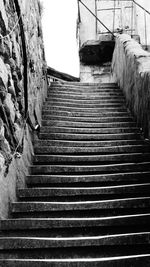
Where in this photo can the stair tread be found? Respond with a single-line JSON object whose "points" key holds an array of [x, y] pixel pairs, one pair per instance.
{"points": [[127, 260], [122, 203], [36, 223]]}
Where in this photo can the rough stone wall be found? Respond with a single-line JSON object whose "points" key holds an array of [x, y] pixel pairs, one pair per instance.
{"points": [[131, 69], [19, 19]]}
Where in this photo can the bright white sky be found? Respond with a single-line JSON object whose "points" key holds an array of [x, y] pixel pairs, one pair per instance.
{"points": [[59, 30]]}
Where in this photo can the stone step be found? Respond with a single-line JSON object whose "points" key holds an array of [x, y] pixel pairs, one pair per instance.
{"points": [[128, 134], [89, 169], [78, 124], [88, 180], [82, 84], [88, 119], [103, 191], [83, 133], [102, 158], [86, 101], [85, 151], [67, 143], [137, 203], [85, 115], [88, 96], [120, 261], [83, 90], [105, 99], [11, 243], [85, 105], [85, 110], [52, 223]]}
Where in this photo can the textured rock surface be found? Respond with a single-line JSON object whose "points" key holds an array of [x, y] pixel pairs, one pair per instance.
{"points": [[12, 87], [131, 68]]}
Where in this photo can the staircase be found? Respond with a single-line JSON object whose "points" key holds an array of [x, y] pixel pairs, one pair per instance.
{"points": [[87, 200]]}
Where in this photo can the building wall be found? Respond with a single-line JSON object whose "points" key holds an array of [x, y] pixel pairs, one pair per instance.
{"points": [[22, 87]]}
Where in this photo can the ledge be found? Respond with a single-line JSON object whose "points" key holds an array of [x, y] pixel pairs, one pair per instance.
{"points": [[131, 70]]}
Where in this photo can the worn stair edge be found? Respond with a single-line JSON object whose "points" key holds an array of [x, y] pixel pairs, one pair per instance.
{"points": [[85, 115], [122, 158], [78, 169], [82, 133], [85, 105], [73, 154], [124, 261], [101, 178], [99, 109], [48, 223], [109, 240], [105, 98], [90, 137], [125, 203], [88, 119], [77, 191], [90, 144]]}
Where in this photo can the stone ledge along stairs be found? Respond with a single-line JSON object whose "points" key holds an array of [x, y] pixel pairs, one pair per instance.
{"points": [[87, 200]]}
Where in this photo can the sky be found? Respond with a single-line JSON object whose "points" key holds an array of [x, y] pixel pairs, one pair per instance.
{"points": [[59, 31]]}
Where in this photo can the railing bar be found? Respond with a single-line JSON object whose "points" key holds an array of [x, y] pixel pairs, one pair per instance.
{"points": [[114, 15], [128, 1], [141, 7], [97, 18], [145, 30], [132, 19]]}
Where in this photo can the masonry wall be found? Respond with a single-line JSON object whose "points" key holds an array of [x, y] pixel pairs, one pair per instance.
{"points": [[22, 89], [131, 69]]}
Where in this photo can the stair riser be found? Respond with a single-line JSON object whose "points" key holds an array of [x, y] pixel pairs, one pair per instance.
{"points": [[87, 119], [89, 158], [105, 241], [129, 203], [72, 169], [87, 125], [89, 137], [86, 105], [86, 263], [84, 101], [83, 133], [83, 144], [86, 111], [83, 114], [64, 105], [101, 193], [124, 221], [78, 180]]}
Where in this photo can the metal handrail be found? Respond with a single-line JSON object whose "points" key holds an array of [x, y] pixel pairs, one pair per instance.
{"points": [[140, 6], [97, 19], [112, 32]]}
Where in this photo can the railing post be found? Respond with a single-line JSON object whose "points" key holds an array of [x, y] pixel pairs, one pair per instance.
{"points": [[146, 47]]}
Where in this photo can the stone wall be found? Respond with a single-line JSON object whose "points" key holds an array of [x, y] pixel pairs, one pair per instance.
{"points": [[22, 91], [131, 69]]}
